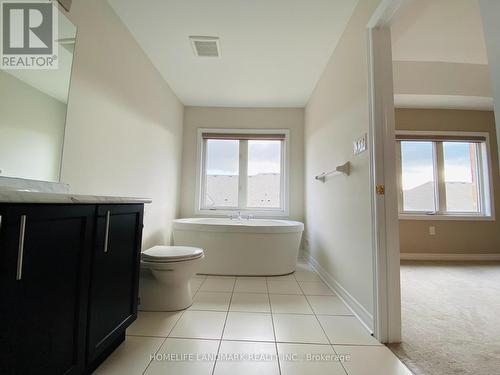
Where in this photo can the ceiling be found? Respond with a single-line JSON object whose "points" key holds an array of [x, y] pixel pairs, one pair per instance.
{"points": [[439, 56], [440, 31], [272, 51]]}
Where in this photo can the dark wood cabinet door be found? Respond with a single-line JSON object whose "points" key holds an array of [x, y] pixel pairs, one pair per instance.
{"points": [[9, 240], [114, 276], [46, 267]]}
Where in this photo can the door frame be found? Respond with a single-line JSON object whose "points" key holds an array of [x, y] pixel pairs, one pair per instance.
{"points": [[383, 175]]}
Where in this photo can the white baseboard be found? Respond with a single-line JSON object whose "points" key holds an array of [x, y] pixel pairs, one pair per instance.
{"points": [[302, 254], [357, 308], [450, 257]]}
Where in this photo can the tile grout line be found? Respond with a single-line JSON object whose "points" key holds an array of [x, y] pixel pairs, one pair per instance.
{"points": [[156, 352], [226, 318], [223, 327], [217, 291], [262, 312], [163, 342], [323, 329], [171, 329], [272, 313], [274, 330], [258, 341], [314, 313], [316, 316], [288, 294], [197, 290]]}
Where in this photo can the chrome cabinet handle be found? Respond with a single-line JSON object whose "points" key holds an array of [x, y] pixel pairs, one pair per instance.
{"points": [[20, 249], [106, 235]]}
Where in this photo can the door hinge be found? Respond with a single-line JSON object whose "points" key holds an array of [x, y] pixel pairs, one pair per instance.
{"points": [[380, 189]]}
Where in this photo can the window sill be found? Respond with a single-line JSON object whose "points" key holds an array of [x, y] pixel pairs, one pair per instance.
{"points": [[445, 217], [254, 213]]}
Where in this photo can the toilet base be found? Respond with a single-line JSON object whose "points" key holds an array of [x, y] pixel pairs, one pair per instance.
{"points": [[156, 296]]}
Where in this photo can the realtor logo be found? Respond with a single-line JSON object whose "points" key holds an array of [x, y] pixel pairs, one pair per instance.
{"points": [[29, 31]]}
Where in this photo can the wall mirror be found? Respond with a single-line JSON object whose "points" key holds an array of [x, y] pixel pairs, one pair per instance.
{"points": [[33, 106]]}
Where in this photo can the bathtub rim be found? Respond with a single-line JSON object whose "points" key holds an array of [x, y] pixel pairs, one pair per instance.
{"points": [[183, 224]]}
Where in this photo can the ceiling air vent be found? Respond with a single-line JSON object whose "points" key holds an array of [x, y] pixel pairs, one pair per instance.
{"points": [[205, 46]]}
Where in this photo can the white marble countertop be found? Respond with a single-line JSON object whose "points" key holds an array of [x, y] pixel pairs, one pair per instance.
{"points": [[27, 196]]}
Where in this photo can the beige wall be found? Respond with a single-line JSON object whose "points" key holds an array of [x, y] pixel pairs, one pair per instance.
{"points": [[441, 78], [490, 12], [244, 118], [452, 237], [31, 141], [124, 124], [338, 212]]}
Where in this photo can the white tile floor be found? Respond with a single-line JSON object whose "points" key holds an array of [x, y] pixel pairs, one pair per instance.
{"points": [[289, 325]]}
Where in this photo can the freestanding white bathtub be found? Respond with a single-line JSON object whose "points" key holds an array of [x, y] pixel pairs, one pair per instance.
{"points": [[255, 247]]}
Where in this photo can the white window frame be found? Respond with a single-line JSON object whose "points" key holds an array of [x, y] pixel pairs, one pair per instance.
{"points": [[485, 182], [283, 210]]}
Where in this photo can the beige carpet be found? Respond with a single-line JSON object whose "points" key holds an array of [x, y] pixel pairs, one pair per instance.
{"points": [[451, 318]]}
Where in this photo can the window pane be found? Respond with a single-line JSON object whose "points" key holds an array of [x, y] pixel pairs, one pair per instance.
{"points": [[417, 166], [264, 174], [460, 172], [222, 158]]}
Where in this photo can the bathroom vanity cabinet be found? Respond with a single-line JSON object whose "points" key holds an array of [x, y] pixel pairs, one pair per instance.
{"points": [[69, 278]]}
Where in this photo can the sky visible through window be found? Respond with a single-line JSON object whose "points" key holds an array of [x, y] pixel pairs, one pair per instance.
{"points": [[419, 176], [458, 158], [223, 157], [461, 176], [416, 158], [418, 168], [264, 157], [263, 180]]}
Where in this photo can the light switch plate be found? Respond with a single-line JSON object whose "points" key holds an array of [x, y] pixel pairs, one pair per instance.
{"points": [[361, 144]]}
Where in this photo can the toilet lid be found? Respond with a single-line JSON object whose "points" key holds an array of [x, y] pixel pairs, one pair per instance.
{"points": [[171, 253]]}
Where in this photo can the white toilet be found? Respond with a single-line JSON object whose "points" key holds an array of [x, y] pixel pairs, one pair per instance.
{"points": [[165, 273]]}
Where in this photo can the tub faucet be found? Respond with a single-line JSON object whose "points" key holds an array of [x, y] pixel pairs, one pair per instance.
{"points": [[240, 217], [235, 216]]}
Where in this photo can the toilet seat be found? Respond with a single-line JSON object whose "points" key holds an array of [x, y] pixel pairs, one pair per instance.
{"points": [[168, 254]]}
